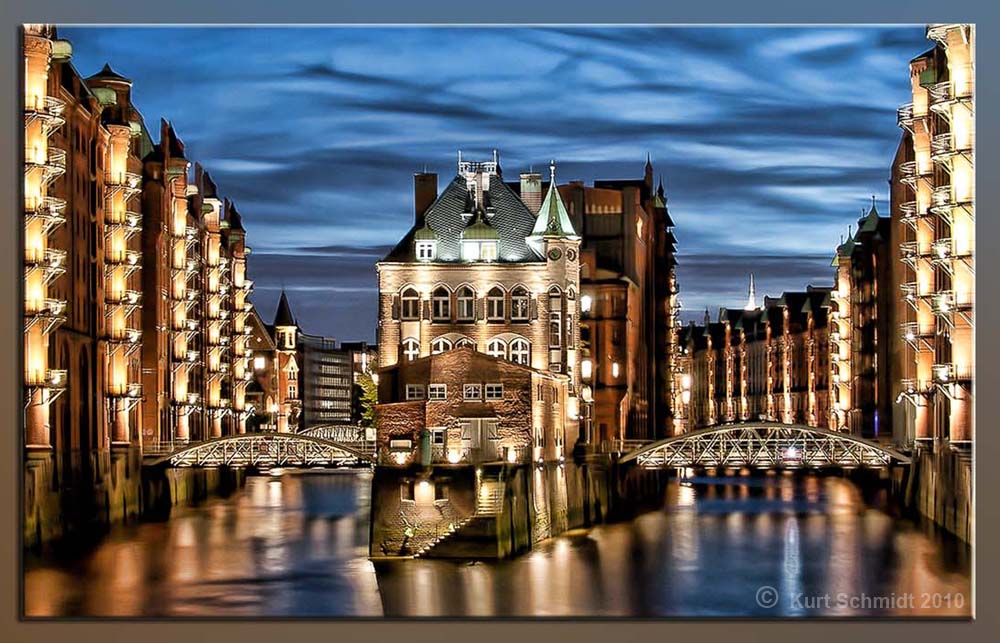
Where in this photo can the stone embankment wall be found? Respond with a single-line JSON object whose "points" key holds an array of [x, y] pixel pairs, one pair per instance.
{"points": [[941, 489], [114, 487]]}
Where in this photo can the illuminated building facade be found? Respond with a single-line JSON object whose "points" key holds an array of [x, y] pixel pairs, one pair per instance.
{"points": [[934, 209], [628, 312], [302, 380], [863, 329], [761, 363], [483, 268], [194, 331]]}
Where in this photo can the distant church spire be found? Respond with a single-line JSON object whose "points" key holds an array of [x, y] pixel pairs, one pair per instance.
{"points": [[752, 297]]}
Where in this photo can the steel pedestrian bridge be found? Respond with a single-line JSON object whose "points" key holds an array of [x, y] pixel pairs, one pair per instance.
{"points": [[267, 450], [765, 445]]}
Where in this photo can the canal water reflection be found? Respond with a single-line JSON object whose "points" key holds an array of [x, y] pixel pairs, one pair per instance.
{"points": [[297, 545]]}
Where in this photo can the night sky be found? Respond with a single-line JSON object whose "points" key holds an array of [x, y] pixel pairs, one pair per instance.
{"points": [[769, 141]]}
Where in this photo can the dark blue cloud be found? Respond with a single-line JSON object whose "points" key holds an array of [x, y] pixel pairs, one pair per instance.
{"points": [[769, 140]]}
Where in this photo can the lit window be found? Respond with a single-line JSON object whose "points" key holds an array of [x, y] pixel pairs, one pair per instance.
{"points": [[519, 304], [555, 329], [470, 251], [494, 391], [488, 251], [465, 341], [440, 345], [410, 300], [495, 304], [466, 302], [425, 250], [441, 304], [293, 390], [615, 369], [520, 351], [437, 391], [259, 362], [411, 349], [496, 348], [437, 437], [586, 369], [472, 392], [414, 392]]}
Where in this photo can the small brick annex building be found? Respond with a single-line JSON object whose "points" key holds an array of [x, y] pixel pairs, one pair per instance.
{"points": [[474, 408]]}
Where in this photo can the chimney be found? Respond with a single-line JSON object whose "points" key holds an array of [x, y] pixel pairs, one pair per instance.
{"points": [[425, 189], [531, 190]]}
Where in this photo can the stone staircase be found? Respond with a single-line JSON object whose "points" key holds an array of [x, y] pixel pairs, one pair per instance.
{"points": [[476, 535]]}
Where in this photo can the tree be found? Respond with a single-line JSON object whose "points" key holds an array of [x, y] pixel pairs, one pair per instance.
{"points": [[367, 398]]}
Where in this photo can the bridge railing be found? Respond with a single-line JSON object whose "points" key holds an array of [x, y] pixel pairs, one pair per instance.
{"points": [[620, 446]]}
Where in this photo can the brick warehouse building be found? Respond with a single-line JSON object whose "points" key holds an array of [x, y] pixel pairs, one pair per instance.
{"points": [[135, 294], [474, 408], [761, 363], [628, 301], [479, 269]]}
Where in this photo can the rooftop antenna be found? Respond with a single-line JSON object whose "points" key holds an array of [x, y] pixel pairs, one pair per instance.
{"points": [[460, 160]]}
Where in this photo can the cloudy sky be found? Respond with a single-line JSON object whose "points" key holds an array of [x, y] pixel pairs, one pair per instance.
{"points": [[769, 140]]}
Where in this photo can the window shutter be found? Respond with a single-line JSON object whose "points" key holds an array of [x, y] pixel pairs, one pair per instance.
{"points": [[395, 307], [534, 308], [481, 308], [427, 309]]}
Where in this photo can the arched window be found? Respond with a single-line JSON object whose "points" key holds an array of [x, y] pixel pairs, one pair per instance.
{"points": [[495, 304], [410, 300], [520, 351], [497, 348], [519, 304], [411, 349], [466, 301], [440, 345], [465, 341], [441, 304], [555, 317]]}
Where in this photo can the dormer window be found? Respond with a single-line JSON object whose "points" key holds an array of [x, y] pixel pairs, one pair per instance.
{"points": [[426, 250], [479, 250]]}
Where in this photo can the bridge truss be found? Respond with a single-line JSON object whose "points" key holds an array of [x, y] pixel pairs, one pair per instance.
{"points": [[765, 446], [267, 450]]}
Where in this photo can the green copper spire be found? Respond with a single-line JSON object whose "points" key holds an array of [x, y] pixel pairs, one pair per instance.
{"points": [[553, 220]]}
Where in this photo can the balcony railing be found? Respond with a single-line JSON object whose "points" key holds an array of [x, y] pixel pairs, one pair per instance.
{"points": [[914, 334], [49, 209], [905, 116], [49, 315], [50, 109], [913, 387], [939, 31], [52, 163], [124, 298]]}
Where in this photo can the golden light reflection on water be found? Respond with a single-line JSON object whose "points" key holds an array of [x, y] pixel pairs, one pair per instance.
{"points": [[296, 545]]}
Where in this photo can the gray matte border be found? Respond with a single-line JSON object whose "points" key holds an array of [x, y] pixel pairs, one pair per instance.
{"points": [[512, 11]]}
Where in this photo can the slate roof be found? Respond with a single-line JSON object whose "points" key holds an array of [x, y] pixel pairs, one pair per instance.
{"points": [[505, 212]]}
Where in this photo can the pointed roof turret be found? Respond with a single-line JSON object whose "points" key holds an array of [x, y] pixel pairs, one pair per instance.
{"points": [[553, 220], [107, 73], [283, 316]]}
